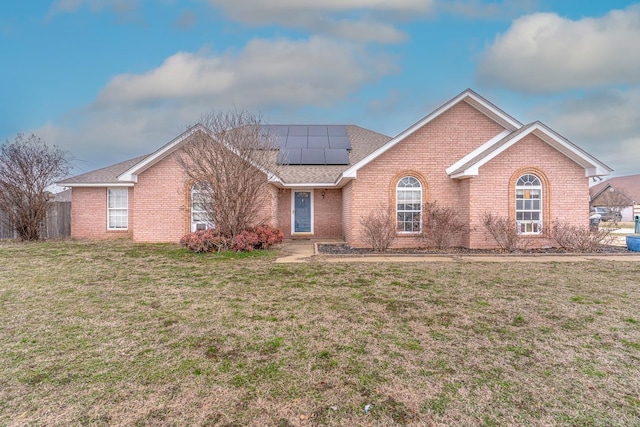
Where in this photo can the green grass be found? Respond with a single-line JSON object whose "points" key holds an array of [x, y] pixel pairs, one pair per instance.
{"points": [[115, 333]]}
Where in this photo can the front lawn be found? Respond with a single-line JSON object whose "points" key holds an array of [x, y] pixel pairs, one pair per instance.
{"points": [[122, 334]]}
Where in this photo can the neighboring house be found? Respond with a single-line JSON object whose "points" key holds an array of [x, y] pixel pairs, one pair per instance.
{"points": [[621, 193], [468, 154]]}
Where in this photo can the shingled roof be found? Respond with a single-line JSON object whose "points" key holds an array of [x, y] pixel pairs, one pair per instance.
{"points": [[107, 175], [627, 185], [363, 142]]}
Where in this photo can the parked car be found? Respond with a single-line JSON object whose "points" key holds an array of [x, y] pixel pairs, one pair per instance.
{"points": [[606, 214]]}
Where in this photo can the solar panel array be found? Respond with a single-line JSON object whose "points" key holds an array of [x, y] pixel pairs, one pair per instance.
{"points": [[311, 145]]}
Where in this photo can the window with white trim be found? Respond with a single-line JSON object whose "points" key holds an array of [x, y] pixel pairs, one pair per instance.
{"points": [[117, 208], [529, 204], [201, 206], [409, 205]]}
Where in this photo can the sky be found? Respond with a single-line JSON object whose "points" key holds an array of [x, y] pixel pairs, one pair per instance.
{"points": [[109, 80]]}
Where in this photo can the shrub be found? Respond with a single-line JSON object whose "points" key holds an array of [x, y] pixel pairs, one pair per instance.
{"points": [[503, 230], [268, 236], [379, 229], [441, 225], [209, 240], [582, 239], [246, 241]]}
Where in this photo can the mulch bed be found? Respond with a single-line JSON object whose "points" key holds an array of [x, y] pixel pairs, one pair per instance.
{"points": [[344, 249]]}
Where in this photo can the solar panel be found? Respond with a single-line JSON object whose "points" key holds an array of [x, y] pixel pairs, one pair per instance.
{"points": [[298, 130], [288, 156], [340, 142], [297, 142], [336, 156], [318, 141], [274, 130], [337, 130], [310, 145], [282, 141], [317, 130], [313, 156]]}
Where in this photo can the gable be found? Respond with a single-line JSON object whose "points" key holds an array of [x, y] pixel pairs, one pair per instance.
{"points": [[469, 165], [627, 185], [437, 144], [470, 98]]}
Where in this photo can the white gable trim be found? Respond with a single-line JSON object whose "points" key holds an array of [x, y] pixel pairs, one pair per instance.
{"points": [[477, 151], [98, 184], [131, 174], [469, 96], [592, 166]]}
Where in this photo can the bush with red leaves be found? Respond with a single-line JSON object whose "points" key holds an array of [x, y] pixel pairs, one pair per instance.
{"points": [[268, 236], [210, 240]]}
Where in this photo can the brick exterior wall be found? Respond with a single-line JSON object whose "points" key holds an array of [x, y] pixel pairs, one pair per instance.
{"points": [[162, 203], [327, 213], [89, 214], [425, 154], [159, 207], [284, 212], [347, 212], [159, 204], [565, 190], [430, 150]]}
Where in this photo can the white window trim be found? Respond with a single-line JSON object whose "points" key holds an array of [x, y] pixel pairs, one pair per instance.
{"points": [[396, 206], [541, 210], [194, 224], [293, 212], [126, 193]]}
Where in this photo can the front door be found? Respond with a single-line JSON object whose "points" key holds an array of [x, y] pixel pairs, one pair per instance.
{"points": [[302, 213]]}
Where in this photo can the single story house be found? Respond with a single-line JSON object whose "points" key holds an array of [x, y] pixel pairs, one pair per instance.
{"points": [[468, 154], [622, 193]]}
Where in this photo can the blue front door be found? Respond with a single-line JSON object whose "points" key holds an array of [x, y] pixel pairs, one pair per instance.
{"points": [[302, 212]]}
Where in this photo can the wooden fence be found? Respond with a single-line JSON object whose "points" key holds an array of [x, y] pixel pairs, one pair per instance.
{"points": [[56, 226]]}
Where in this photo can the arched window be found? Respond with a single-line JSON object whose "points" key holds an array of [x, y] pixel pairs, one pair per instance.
{"points": [[529, 204], [409, 205], [201, 206]]}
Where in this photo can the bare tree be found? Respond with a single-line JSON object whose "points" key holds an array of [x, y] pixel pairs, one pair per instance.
{"points": [[442, 225], [231, 157], [579, 239], [378, 228], [503, 230], [28, 166]]}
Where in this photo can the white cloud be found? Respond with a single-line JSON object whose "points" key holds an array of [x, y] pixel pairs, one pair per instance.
{"points": [[478, 9], [261, 12], [357, 20], [544, 52], [265, 73], [602, 114], [606, 123], [135, 114]]}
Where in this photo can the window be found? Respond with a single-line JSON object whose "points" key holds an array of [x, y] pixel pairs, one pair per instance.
{"points": [[529, 204], [408, 205], [201, 205], [117, 209]]}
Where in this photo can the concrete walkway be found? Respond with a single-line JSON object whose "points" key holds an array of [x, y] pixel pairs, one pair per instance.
{"points": [[296, 251]]}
